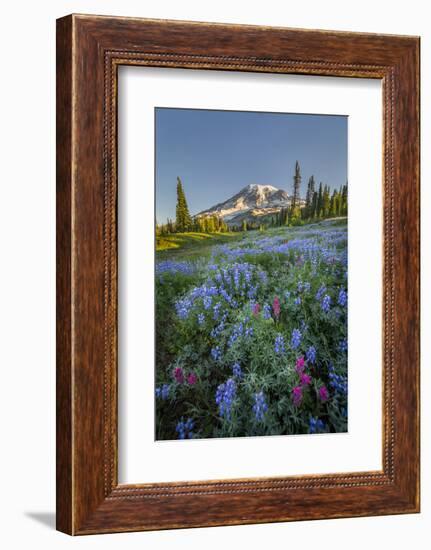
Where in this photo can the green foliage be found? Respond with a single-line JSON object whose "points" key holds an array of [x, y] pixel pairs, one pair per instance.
{"points": [[183, 220], [167, 288], [295, 216], [192, 321]]}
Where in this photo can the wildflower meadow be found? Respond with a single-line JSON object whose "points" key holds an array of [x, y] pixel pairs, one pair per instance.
{"points": [[251, 334]]}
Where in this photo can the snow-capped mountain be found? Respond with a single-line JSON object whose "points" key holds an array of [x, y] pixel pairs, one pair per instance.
{"points": [[251, 202]]}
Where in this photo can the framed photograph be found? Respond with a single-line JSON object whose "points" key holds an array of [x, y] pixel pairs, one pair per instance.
{"points": [[237, 274]]}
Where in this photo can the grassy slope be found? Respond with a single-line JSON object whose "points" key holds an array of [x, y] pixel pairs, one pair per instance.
{"points": [[190, 245], [187, 245]]}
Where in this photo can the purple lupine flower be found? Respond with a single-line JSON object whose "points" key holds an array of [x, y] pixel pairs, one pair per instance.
{"points": [[337, 382], [311, 354], [320, 293], [201, 319], [169, 266], [267, 311], [236, 370], [249, 331], [296, 338], [182, 308], [260, 407], [216, 311], [279, 346], [225, 396], [326, 303], [216, 353], [315, 425], [207, 302], [237, 332], [342, 298], [184, 429], [342, 346], [163, 391]]}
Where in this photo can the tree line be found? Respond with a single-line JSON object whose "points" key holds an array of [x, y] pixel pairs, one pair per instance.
{"points": [[319, 204], [185, 223]]}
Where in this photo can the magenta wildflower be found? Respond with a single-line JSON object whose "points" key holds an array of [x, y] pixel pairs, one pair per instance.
{"points": [[276, 307], [323, 394], [255, 309], [179, 375], [192, 379], [305, 379], [297, 395], [300, 364]]}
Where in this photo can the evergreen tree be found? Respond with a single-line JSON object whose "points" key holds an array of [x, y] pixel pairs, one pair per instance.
{"points": [[310, 192], [244, 225], [183, 219], [319, 210], [326, 201], [334, 204], [210, 227], [170, 226], [314, 205], [344, 201], [283, 217], [216, 223], [295, 216], [296, 186]]}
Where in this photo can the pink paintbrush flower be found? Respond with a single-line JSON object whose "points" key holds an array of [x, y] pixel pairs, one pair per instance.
{"points": [[323, 394], [255, 309], [305, 379], [192, 379], [297, 395], [300, 364], [179, 375], [276, 307]]}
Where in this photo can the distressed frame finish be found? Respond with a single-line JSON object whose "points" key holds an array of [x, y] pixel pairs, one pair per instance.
{"points": [[89, 51]]}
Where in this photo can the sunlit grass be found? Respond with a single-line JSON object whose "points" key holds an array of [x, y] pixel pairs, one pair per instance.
{"points": [[193, 240]]}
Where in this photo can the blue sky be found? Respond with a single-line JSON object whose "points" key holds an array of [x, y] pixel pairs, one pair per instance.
{"points": [[216, 153]]}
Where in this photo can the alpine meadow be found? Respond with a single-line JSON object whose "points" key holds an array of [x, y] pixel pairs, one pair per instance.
{"points": [[251, 285]]}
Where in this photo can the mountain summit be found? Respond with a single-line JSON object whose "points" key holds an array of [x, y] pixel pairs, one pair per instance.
{"points": [[253, 201]]}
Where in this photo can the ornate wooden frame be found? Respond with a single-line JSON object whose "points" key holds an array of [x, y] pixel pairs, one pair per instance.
{"points": [[89, 51]]}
